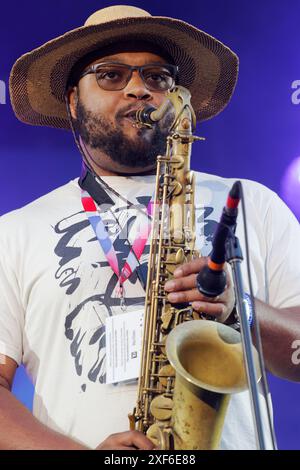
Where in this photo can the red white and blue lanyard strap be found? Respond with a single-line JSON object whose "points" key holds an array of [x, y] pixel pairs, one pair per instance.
{"points": [[137, 247]]}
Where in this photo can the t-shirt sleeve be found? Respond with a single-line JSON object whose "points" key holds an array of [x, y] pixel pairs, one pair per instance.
{"points": [[283, 254], [11, 310]]}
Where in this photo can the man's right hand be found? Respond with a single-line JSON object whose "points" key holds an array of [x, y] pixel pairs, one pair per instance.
{"points": [[129, 440]]}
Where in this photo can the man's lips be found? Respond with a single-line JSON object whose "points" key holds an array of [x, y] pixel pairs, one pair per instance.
{"points": [[130, 115], [130, 118]]}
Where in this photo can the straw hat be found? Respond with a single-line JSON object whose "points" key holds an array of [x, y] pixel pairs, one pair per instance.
{"points": [[206, 67]]}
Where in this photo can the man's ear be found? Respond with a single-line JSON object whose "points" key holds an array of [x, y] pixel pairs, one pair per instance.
{"points": [[72, 95]]}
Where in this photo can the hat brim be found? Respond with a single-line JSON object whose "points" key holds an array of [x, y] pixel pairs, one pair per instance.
{"points": [[206, 67]]}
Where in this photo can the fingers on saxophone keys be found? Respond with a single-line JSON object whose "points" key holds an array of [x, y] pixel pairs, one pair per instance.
{"points": [[191, 267], [216, 310], [188, 282], [184, 296]]}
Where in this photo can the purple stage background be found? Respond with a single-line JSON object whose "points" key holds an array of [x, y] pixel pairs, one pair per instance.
{"points": [[256, 137]]}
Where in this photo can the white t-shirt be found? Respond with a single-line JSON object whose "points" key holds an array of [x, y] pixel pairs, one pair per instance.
{"points": [[57, 289]]}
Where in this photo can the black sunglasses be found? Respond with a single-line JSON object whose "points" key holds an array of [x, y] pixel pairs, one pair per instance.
{"points": [[115, 76]]}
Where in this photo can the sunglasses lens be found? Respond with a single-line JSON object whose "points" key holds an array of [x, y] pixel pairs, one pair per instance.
{"points": [[116, 76], [112, 77], [157, 78]]}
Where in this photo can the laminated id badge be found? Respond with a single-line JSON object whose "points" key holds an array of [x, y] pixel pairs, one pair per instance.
{"points": [[123, 346]]}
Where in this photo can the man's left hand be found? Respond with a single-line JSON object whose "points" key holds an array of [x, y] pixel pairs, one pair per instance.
{"points": [[182, 288]]}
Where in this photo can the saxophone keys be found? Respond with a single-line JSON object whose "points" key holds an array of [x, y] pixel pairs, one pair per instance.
{"points": [[161, 408], [163, 345], [167, 319], [196, 315], [180, 256], [132, 421], [160, 437], [175, 259], [165, 372], [176, 188], [189, 178]]}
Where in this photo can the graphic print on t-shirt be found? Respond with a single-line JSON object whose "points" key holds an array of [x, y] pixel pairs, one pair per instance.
{"points": [[74, 272], [89, 282]]}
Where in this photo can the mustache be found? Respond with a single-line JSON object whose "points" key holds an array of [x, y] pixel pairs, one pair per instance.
{"points": [[128, 109]]}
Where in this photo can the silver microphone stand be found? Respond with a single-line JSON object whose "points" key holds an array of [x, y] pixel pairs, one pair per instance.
{"points": [[234, 257]]}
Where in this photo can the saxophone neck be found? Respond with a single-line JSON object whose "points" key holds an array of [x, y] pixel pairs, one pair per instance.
{"points": [[185, 119], [178, 101]]}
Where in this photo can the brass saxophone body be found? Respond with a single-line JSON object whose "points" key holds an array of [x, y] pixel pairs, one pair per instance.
{"points": [[188, 365]]}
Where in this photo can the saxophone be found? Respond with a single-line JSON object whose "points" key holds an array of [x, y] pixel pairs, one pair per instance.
{"points": [[188, 366]]}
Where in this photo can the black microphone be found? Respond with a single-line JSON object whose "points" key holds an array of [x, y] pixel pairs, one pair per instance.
{"points": [[211, 280]]}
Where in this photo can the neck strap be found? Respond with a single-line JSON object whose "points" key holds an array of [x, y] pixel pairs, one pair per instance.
{"points": [[88, 183]]}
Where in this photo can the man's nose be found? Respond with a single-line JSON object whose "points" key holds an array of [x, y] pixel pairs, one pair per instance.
{"points": [[136, 88]]}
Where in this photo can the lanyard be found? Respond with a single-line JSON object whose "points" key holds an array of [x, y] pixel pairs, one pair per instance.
{"points": [[137, 247]]}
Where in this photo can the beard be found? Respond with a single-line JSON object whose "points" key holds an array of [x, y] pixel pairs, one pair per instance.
{"points": [[98, 132]]}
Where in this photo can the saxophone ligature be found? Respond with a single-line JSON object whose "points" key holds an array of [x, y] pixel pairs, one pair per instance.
{"points": [[189, 366]]}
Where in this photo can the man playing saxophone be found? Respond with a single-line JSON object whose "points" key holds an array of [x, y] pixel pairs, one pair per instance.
{"points": [[74, 261]]}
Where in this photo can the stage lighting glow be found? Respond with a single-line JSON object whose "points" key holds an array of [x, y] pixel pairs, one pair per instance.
{"points": [[290, 186]]}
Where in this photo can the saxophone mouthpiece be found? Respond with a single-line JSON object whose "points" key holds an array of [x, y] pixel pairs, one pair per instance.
{"points": [[144, 117]]}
